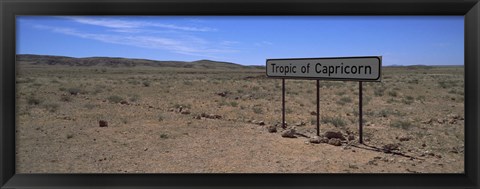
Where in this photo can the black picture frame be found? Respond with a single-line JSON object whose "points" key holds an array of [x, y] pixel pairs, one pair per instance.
{"points": [[9, 9]]}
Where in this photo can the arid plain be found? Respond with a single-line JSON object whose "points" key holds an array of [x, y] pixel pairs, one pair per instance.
{"points": [[104, 115]]}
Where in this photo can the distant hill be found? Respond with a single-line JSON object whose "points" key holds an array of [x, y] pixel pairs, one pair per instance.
{"points": [[123, 62], [420, 66]]}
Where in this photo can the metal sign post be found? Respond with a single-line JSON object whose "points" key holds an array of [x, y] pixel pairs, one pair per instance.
{"points": [[360, 69], [283, 104], [318, 107], [360, 112]]}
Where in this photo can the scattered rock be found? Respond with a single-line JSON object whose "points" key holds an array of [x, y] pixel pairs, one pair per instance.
{"points": [[457, 150], [197, 117], [214, 116], [301, 123], [332, 134], [351, 166], [280, 124], [324, 140], [103, 123], [455, 117], [404, 138], [390, 147], [246, 96], [272, 129], [223, 94], [351, 137], [258, 122], [432, 120], [412, 171], [335, 142], [210, 116], [372, 162], [315, 140], [289, 133]]}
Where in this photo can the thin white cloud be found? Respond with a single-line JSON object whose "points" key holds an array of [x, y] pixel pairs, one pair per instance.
{"points": [[124, 24], [263, 43], [229, 43], [187, 45]]}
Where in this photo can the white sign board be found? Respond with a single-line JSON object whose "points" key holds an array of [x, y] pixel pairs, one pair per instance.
{"points": [[337, 68]]}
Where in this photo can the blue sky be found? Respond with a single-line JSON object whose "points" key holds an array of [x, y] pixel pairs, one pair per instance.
{"points": [[411, 40]]}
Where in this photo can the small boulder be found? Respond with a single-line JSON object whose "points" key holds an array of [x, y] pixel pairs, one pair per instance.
{"points": [[335, 142], [185, 112], [315, 140], [103, 123], [261, 123], [351, 137], [332, 134], [197, 117], [124, 102], [313, 113], [272, 129], [289, 133]]}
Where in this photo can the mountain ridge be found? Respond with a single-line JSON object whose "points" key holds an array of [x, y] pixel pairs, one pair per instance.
{"points": [[35, 59]]}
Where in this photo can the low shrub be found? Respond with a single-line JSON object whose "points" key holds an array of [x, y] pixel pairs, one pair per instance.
{"points": [[335, 121], [31, 100], [403, 124], [114, 99], [257, 110]]}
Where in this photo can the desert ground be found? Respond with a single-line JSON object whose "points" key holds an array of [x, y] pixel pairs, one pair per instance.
{"points": [[221, 120]]}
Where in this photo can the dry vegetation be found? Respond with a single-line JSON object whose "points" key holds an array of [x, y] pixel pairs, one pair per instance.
{"points": [[191, 120]]}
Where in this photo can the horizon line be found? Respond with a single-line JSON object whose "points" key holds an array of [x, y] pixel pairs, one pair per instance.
{"points": [[393, 65]]}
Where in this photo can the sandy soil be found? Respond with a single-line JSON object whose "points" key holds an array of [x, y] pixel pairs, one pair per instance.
{"points": [[418, 110]]}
